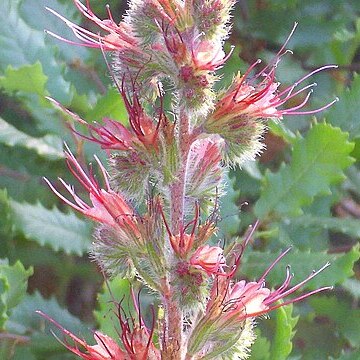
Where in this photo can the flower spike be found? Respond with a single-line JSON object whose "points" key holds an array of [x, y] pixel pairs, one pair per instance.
{"points": [[157, 208]]}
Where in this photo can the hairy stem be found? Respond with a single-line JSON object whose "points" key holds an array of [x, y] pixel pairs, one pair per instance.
{"points": [[174, 316]]}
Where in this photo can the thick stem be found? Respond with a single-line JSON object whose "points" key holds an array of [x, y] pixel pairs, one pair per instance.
{"points": [[174, 317]]}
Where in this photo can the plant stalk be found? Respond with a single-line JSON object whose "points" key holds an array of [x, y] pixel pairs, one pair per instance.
{"points": [[174, 316]]}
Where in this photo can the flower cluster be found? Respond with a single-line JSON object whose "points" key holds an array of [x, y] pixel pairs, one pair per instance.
{"points": [[157, 209]]}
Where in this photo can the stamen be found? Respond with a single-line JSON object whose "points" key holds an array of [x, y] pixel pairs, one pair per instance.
{"points": [[69, 41], [262, 278], [104, 172], [322, 68], [63, 198], [65, 331], [310, 112], [299, 285], [280, 52], [109, 13], [246, 74]]}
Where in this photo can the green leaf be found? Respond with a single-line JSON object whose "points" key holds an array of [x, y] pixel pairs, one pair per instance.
{"points": [[261, 348], [106, 315], [51, 227], [17, 277], [25, 321], [28, 78], [302, 263], [49, 146], [353, 287], [4, 287], [353, 179], [345, 114], [346, 320], [279, 129], [37, 17], [5, 222], [110, 105], [22, 45], [346, 226], [20, 352], [281, 344], [13, 286], [229, 211], [317, 162]]}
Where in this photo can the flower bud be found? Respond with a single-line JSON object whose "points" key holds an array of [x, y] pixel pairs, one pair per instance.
{"points": [[205, 173], [191, 287], [209, 259], [212, 17]]}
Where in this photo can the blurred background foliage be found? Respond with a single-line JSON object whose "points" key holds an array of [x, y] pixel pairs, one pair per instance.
{"points": [[305, 189]]}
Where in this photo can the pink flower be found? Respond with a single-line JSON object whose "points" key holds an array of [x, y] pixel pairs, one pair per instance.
{"points": [[137, 340], [108, 207], [118, 37], [208, 258], [115, 136], [182, 242], [106, 348], [135, 337], [205, 156], [204, 171], [208, 55], [242, 300], [112, 135], [260, 97], [247, 298], [143, 127]]}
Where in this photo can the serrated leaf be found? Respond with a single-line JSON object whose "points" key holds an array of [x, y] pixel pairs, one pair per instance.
{"points": [[281, 344], [49, 146], [22, 45], [345, 114], [53, 228], [28, 78], [35, 15], [346, 226], [106, 316], [13, 286], [302, 263], [346, 320], [317, 162], [24, 320], [17, 277]]}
